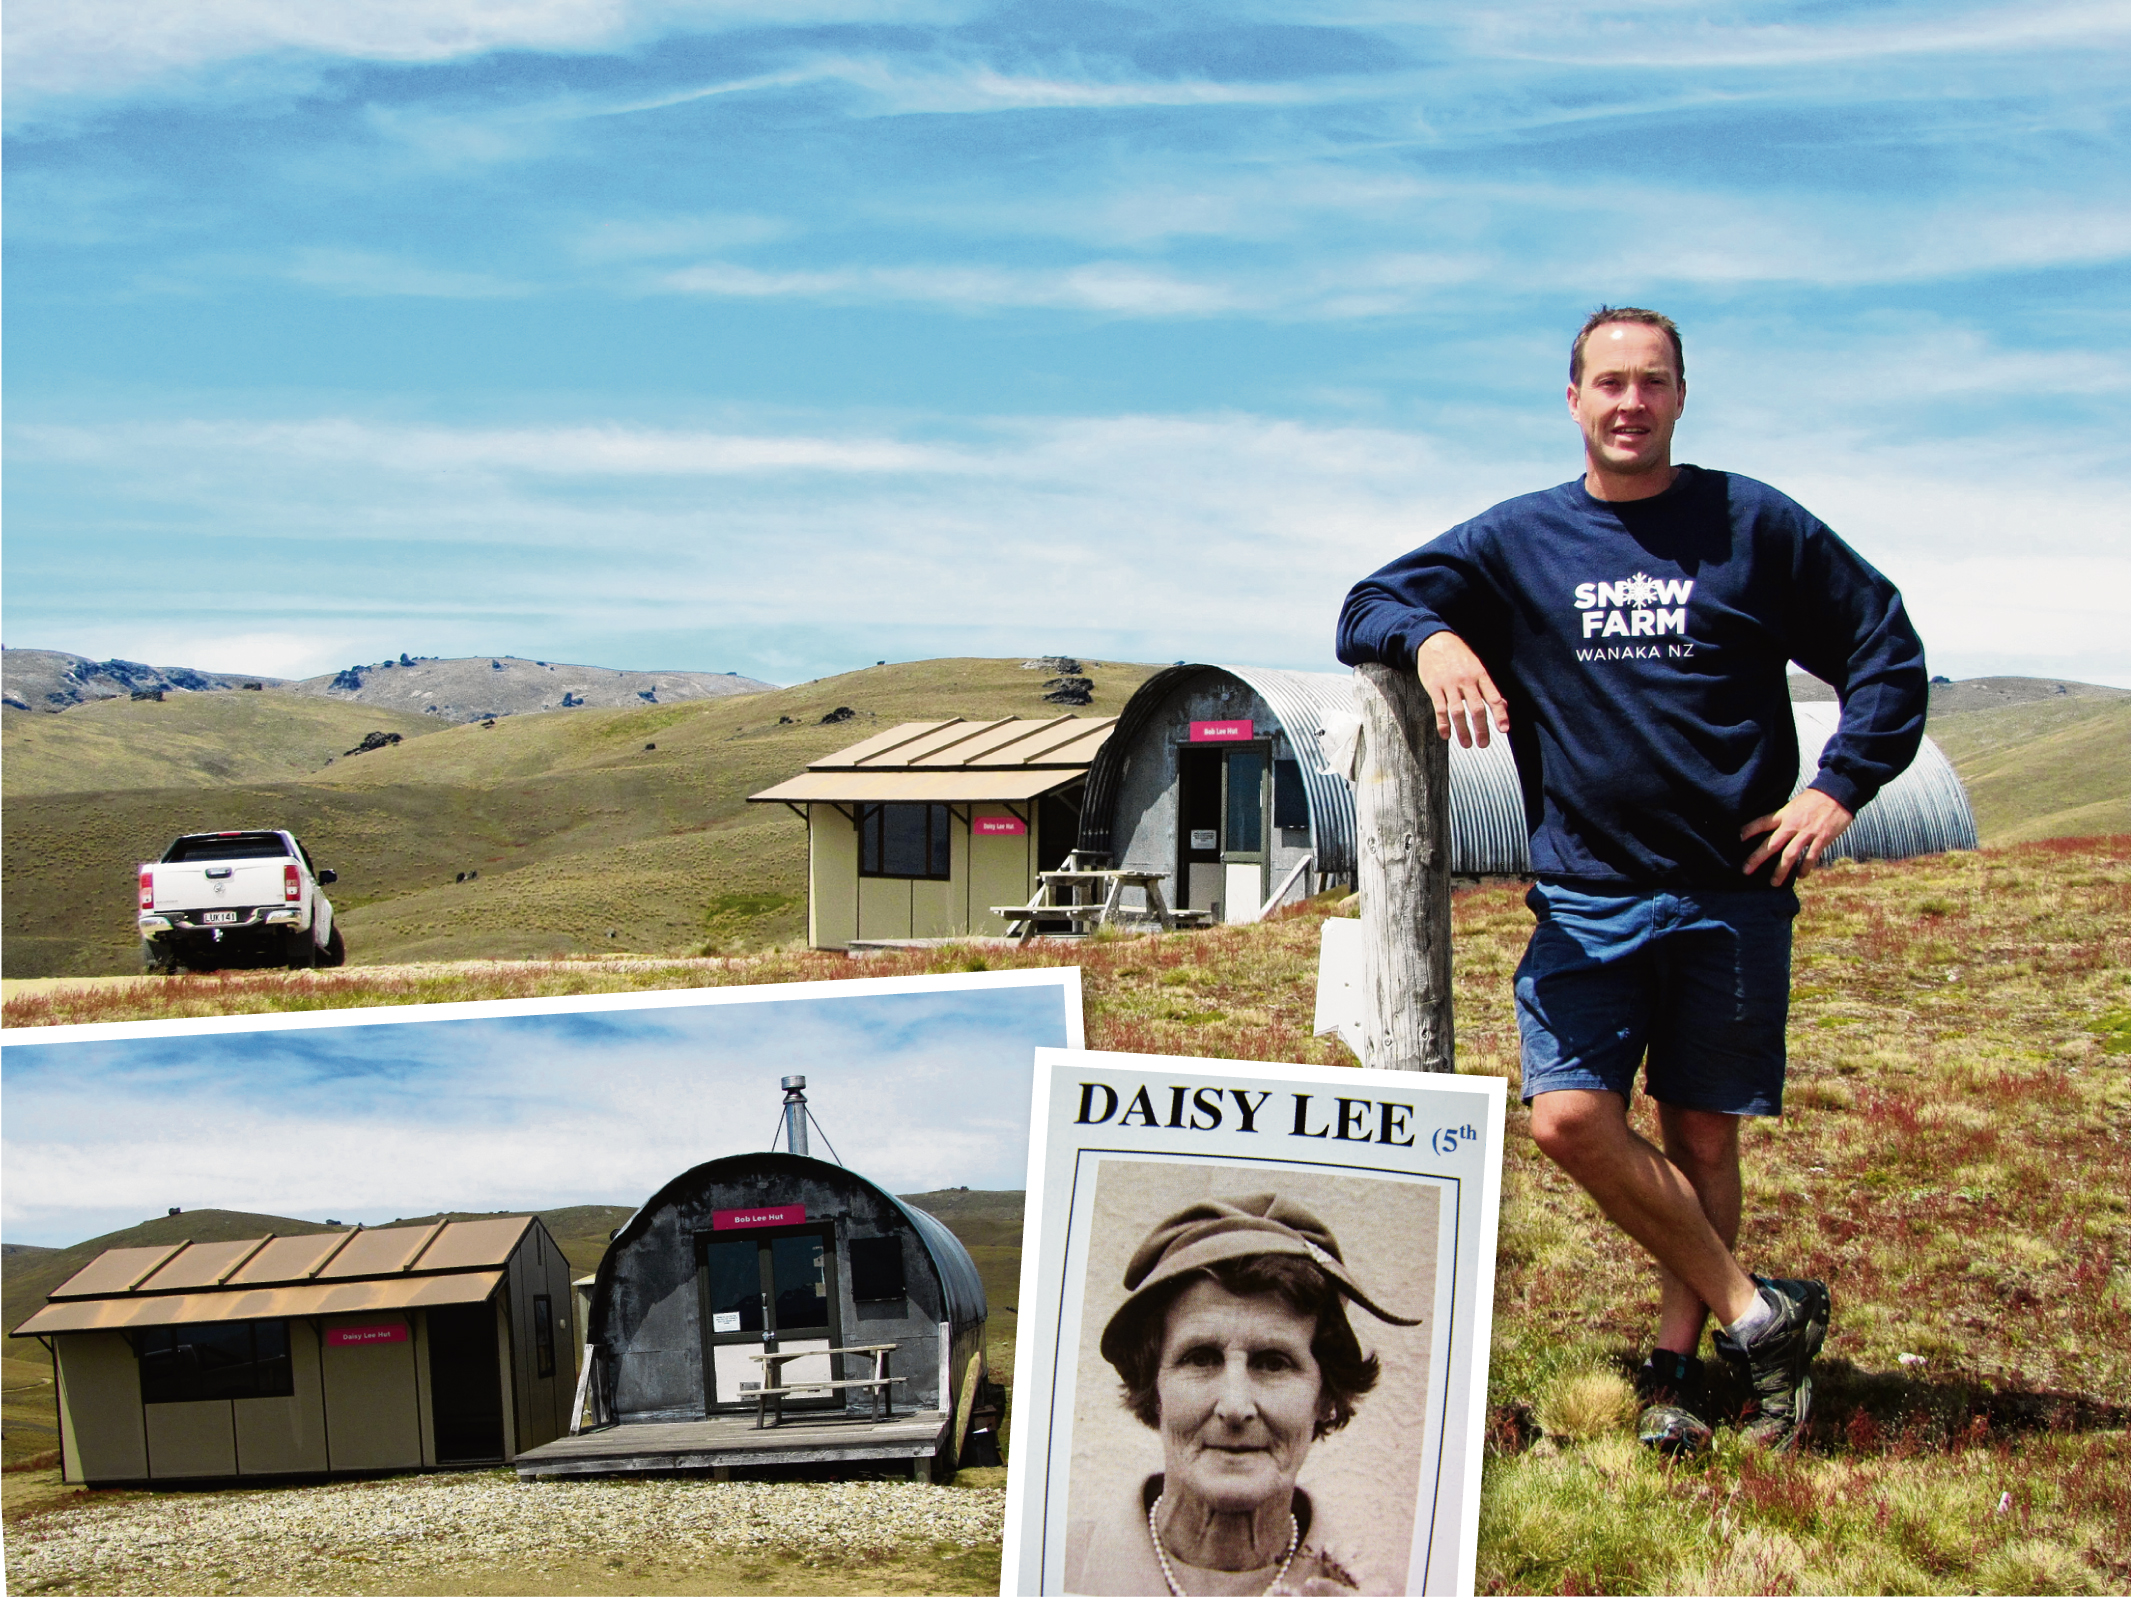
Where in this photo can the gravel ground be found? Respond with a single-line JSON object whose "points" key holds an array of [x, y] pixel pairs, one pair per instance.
{"points": [[193, 1543]]}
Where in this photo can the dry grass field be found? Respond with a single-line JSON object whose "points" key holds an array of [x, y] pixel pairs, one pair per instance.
{"points": [[590, 830], [1955, 1160], [2044, 769]]}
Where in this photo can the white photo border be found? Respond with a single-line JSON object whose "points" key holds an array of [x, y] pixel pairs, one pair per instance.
{"points": [[1053, 1288]]}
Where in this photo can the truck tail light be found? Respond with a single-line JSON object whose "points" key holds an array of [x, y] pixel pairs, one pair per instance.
{"points": [[147, 890], [291, 883]]}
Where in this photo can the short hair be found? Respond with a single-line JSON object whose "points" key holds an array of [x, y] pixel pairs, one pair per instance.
{"points": [[1346, 1373], [1649, 319]]}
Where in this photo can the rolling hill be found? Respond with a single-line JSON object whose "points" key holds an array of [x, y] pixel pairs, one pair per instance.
{"points": [[2040, 760], [56, 680], [611, 830], [192, 740], [587, 830], [474, 688]]}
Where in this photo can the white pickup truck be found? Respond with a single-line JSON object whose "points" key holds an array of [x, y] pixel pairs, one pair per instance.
{"points": [[240, 899]]}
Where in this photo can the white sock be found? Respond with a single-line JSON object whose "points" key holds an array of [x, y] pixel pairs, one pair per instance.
{"points": [[1752, 1320]]}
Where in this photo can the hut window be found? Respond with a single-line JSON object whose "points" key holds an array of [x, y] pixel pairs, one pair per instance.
{"points": [[1291, 807], [543, 1336], [215, 1361], [877, 1269], [903, 841]]}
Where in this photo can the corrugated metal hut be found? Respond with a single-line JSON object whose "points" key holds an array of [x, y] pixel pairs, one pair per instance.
{"points": [[773, 1253], [437, 1345], [918, 831], [1217, 775]]}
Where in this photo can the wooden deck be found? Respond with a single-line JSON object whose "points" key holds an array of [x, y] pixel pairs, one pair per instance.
{"points": [[735, 1441]]}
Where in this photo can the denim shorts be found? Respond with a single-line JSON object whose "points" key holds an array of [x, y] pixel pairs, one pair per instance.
{"points": [[1698, 979]]}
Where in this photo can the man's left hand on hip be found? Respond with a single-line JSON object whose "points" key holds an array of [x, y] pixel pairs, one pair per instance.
{"points": [[1797, 835]]}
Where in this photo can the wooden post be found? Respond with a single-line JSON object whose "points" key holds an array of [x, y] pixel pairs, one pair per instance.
{"points": [[1402, 817]]}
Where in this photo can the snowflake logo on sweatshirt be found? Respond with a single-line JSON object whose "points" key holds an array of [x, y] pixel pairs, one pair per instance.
{"points": [[1641, 591]]}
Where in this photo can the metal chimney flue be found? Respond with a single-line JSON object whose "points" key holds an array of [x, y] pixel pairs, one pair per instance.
{"points": [[795, 1115]]}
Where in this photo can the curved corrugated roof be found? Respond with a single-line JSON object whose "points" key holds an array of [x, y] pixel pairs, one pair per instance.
{"points": [[1923, 810], [961, 1289]]}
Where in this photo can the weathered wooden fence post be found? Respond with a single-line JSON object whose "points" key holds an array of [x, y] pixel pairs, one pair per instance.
{"points": [[1402, 816]]}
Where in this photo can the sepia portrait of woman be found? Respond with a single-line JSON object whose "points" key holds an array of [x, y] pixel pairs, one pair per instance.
{"points": [[1235, 1348]]}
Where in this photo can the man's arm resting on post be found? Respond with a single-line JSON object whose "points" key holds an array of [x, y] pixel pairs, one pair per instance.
{"points": [[1465, 696]]}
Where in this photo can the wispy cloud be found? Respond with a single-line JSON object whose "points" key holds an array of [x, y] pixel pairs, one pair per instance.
{"points": [[975, 538], [1698, 37], [1110, 287], [102, 47]]}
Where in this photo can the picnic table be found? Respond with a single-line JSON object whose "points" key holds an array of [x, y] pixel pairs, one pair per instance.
{"points": [[1086, 898], [771, 1394]]}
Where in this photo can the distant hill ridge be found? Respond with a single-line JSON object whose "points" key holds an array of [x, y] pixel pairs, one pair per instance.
{"points": [[457, 689], [476, 688], [52, 680], [628, 830]]}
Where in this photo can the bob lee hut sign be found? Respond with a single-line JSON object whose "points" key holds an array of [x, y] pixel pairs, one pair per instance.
{"points": [[1255, 1322]]}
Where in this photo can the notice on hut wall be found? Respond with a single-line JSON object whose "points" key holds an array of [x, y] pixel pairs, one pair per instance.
{"points": [[368, 1333], [1254, 1323]]}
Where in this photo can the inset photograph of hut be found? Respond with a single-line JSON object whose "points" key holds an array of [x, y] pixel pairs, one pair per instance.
{"points": [[777, 1309], [366, 1351], [920, 830], [207, 1321], [1220, 777]]}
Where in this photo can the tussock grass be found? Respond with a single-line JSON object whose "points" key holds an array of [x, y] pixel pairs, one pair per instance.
{"points": [[1584, 1405]]}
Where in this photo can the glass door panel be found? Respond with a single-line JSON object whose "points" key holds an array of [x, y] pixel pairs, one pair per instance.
{"points": [[1245, 833], [800, 1286], [733, 1272]]}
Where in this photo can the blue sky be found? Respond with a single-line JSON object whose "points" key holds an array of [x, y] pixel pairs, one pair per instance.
{"points": [[784, 338], [372, 1117]]}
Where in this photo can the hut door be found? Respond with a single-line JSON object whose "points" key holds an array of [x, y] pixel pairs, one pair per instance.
{"points": [[762, 1292], [1222, 846], [1244, 855], [465, 1382]]}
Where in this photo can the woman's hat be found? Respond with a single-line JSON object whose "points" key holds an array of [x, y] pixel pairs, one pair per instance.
{"points": [[1222, 1230]]}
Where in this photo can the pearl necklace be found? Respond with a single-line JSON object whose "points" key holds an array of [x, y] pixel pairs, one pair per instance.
{"points": [[1154, 1532]]}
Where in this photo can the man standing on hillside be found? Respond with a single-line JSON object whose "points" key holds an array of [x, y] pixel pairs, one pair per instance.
{"points": [[1639, 622]]}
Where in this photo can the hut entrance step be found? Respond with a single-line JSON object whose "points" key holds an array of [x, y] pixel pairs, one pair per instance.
{"points": [[734, 1442]]}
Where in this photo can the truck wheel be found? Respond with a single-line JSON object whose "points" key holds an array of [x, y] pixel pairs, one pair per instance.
{"points": [[335, 953], [301, 952], [156, 961]]}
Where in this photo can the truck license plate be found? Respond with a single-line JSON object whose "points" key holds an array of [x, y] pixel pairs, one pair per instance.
{"points": [[220, 916]]}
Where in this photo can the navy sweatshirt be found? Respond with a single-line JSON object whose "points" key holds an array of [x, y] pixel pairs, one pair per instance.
{"points": [[1642, 647]]}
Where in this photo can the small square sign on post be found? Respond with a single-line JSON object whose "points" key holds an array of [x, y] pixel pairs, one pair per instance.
{"points": [[1322, 1237]]}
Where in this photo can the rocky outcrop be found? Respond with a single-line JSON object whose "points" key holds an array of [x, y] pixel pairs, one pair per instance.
{"points": [[53, 680], [479, 688]]}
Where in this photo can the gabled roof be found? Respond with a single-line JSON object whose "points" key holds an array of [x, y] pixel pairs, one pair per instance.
{"points": [[365, 1269], [1013, 758]]}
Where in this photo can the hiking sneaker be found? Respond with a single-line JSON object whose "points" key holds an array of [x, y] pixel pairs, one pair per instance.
{"points": [[1670, 1387], [1777, 1366]]}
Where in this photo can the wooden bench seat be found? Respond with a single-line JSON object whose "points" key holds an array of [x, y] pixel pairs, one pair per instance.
{"points": [[879, 1386]]}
